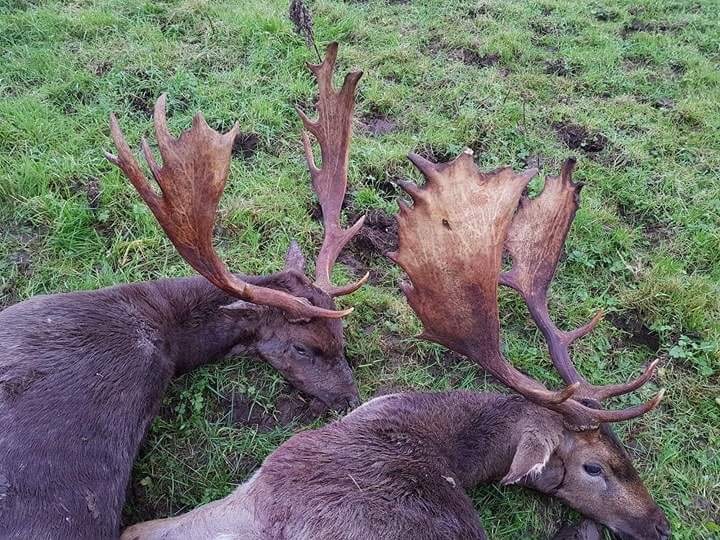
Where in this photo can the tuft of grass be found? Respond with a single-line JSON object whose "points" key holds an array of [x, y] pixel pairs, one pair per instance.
{"points": [[631, 87]]}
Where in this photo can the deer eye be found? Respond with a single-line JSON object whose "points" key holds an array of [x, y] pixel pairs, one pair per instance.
{"points": [[593, 469], [302, 350]]}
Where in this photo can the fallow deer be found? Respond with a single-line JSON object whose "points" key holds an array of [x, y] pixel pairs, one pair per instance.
{"points": [[398, 466], [82, 374]]}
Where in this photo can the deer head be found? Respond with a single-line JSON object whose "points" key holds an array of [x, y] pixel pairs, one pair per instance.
{"points": [[298, 326], [451, 245]]}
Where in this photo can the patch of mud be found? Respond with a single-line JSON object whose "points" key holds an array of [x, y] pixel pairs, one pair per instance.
{"points": [[639, 332], [605, 15], [23, 241], [100, 67], [293, 408], [577, 137], [377, 124], [142, 101], [316, 209], [22, 261], [140, 505], [664, 104], [290, 408], [245, 412], [479, 11], [559, 67], [709, 508], [89, 188], [474, 58], [245, 145], [387, 187], [536, 160], [542, 28], [378, 235], [143, 91], [654, 230], [678, 69], [436, 155], [638, 25], [657, 234]]}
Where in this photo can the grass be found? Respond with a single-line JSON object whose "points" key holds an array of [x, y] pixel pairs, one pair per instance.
{"points": [[633, 87]]}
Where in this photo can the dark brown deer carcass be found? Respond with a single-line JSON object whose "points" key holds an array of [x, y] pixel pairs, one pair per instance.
{"points": [[82, 374]]}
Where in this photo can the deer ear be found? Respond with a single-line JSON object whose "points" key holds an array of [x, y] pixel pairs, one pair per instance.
{"points": [[294, 258], [244, 307], [531, 455]]}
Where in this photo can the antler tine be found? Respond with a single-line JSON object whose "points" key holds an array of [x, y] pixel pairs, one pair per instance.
{"points": [[192, 178], [535, 241], [333, 131]]}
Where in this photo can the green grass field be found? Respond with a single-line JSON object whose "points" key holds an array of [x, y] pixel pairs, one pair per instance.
{"points": [[631, 88]]}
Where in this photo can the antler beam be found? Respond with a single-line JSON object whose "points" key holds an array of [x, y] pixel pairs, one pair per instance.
{"points": [[535, 242], [192, 178], [333, 131], [451, 245]]}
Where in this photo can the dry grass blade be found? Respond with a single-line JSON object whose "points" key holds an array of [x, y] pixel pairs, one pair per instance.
{"points": [[301, 17]]}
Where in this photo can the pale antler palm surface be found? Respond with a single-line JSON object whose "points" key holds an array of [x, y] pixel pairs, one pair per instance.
{"points": [[630, 88]]}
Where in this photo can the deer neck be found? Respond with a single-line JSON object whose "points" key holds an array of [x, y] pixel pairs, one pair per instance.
{"points": [[194, 327], [481, 441]]}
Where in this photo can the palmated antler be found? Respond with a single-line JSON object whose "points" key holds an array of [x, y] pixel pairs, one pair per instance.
{"points": [[535, 242], [192, 178], [451, 245], [333, 131]]}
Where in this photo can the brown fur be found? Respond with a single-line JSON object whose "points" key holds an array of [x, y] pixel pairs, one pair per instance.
{"points": [[399, 467], [82, 375]]}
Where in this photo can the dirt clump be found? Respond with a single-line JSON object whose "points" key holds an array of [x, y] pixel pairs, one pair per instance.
{"points": [[378, 235], [290, 408], [577, 137], [639, 332], [473, 58], [245, 145], [377, 124], [559, 67]]}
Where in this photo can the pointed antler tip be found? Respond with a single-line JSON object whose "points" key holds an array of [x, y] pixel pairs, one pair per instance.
{"points": [[567, 170], [425, 166]]}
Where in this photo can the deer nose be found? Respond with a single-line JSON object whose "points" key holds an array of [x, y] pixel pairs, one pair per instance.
{"points": [[346, 403], [663, 531], [353, 402], [662, 527]]}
